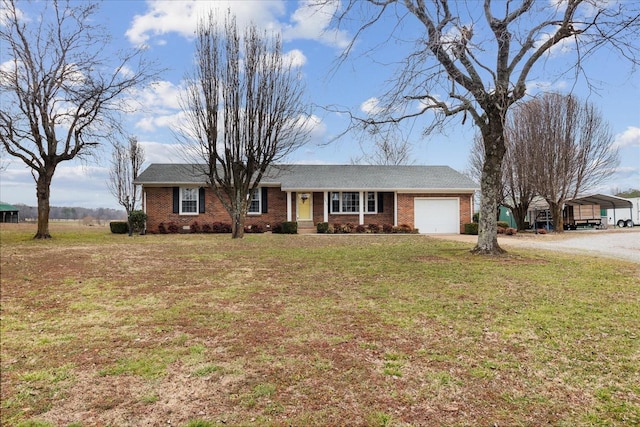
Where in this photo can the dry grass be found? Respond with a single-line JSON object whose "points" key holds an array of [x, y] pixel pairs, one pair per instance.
{"points": [[102, 329]]}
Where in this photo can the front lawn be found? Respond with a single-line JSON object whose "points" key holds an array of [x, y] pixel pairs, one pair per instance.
{"points": [[401, 330]]}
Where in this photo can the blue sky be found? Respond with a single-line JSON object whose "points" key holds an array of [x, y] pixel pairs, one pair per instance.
{"points": [[166, 28]]}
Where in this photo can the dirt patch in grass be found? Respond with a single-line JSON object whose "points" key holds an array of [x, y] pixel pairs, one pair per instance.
{"points": [[102, 329]]}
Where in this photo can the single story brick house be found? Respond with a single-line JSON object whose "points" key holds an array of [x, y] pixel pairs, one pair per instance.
{"points": [[433, 199]]}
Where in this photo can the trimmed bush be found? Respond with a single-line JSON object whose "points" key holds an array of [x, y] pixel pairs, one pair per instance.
{"points": [[503, 224], [322, 227], [404, 229], [257, 228], [510, 231], [471, 228], [206, 228], [374, 228], [119, 227], [287, 227], [221, 227], [162, 229], [138, 221], [172, 227], [387, 228]]}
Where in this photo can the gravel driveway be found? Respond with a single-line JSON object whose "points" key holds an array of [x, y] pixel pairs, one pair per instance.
{"points": [[621, 243]]}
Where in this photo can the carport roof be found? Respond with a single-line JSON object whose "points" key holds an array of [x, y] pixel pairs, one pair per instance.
{"points": [[5, 207], [604, 200]]}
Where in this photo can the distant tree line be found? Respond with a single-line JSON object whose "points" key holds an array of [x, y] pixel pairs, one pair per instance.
{"points": [[72, 213]]}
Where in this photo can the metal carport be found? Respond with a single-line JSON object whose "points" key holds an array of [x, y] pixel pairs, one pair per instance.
{"points": [[605, 201]]}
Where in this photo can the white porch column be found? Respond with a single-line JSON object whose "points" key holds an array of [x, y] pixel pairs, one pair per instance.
{"points": [[289, 206], [362, 202], [395, 208], [325, 203]]}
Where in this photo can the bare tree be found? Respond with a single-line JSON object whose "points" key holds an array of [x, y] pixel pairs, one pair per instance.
{"points": [[518, 178], [451, 73], [573, 148], [244, 111], [389, 148], [517, 187], [58, 89], [126, 163]]}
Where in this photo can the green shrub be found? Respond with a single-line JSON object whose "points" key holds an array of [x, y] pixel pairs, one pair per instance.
{"points": [[322, 227], [138, 219], [119, 227], [287, 227], [471, 228], [503, 224]]}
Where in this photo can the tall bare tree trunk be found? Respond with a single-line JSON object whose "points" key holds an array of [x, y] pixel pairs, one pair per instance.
{"points": [[490, 186], [556, 216], [520, 215], [43, 192]]}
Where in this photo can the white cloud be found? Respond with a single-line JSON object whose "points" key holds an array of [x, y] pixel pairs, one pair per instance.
{"points": [[312, 21], [371, 106], [157, 152], [308, 21], [181, 17], [536, 86], [150, 123], [295, 57], [629, 138]]}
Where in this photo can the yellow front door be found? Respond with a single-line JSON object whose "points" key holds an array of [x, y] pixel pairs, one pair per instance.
{"points": [[303, 207]]}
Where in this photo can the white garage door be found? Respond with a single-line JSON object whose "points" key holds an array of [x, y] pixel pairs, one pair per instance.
{"points": [[437, 216]]}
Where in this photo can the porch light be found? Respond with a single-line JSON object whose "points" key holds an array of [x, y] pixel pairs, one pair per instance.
{"points": [[304, 197]]}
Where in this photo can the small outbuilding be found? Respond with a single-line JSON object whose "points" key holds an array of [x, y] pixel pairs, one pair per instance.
{"points": [[9, 213]]}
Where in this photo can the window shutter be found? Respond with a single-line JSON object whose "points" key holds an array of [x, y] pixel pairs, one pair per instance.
{"points": [[201, 200], [265, 208], [380, 205], [176, 199]]}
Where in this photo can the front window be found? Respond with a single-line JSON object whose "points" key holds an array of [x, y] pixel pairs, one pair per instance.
{"points": [[189, 200], [372, 202], [349, 202], [254, 201]]}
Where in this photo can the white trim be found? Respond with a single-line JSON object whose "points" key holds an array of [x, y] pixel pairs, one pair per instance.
{"points": [[289, 206], [361, 206], [395, 208], [325, 203], [181, 199], [258, 190]]}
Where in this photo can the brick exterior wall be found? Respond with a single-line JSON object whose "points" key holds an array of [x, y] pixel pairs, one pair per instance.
{"points": [[159, 208], [159, 204]]}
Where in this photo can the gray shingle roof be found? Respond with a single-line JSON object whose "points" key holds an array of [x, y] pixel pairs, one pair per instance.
{"points": [[326, 177]]}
